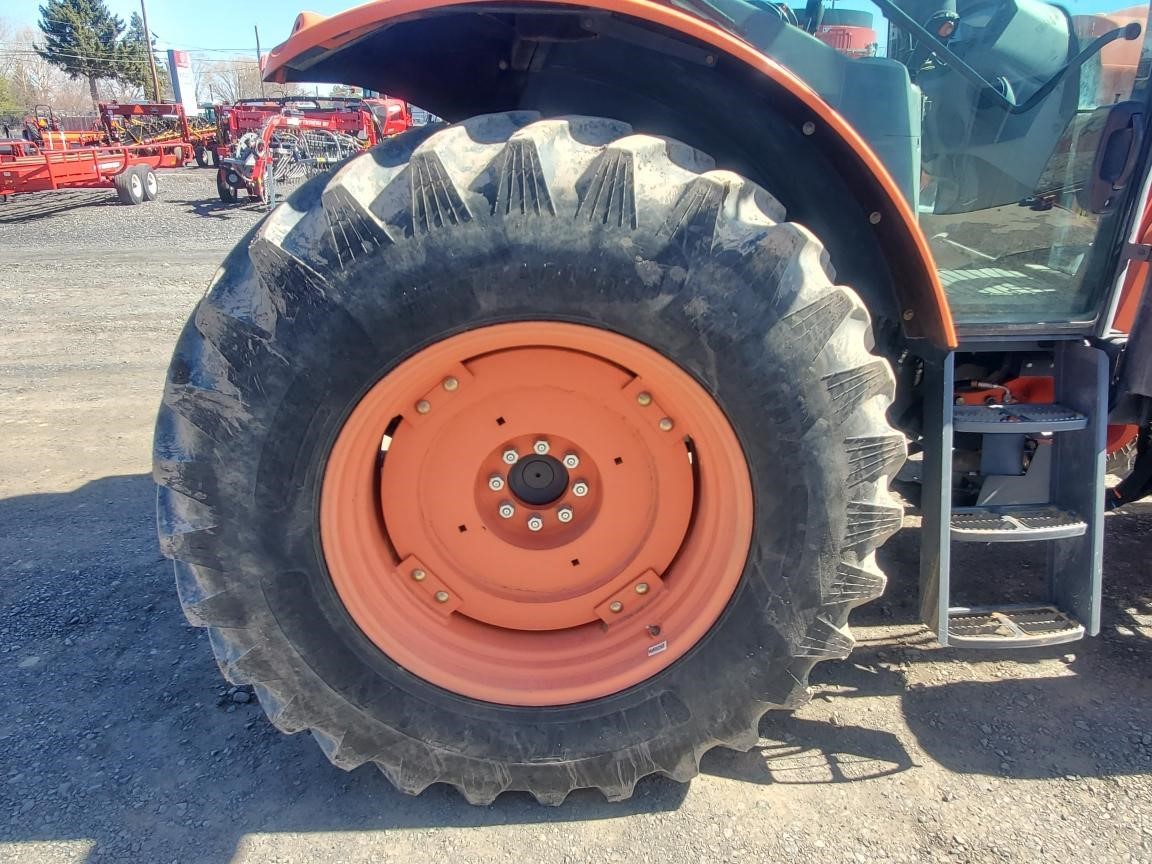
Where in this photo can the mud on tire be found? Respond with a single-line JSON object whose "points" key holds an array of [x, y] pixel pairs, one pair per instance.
{"points": [[501, 218]]}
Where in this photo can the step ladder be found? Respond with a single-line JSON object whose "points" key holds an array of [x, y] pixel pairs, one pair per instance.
{"points": [[1057, 501]]}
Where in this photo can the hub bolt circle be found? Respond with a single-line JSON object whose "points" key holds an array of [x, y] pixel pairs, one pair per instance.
{"points": [[495, 482], [579, 488], [535, 523], [564, 514], [507, 510], [541, 447], [571, 460], [510, 456]]}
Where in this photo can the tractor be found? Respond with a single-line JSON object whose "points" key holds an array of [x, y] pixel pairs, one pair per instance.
{"points": [[549, 447]]}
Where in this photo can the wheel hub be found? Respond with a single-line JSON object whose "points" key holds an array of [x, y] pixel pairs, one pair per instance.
{"points": [[550, 500], [538, 479]]}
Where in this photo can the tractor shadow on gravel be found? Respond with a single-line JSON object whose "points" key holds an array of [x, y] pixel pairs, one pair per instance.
{"points": [[1060, 713], [34, 206], [119, 733]]}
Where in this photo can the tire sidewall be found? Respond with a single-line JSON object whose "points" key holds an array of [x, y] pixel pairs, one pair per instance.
{"points": [[520, 269]]}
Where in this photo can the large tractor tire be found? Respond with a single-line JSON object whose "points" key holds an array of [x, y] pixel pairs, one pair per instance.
{"points": [[526, 454]]}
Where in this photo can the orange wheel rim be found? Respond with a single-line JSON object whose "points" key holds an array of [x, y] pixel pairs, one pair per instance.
{"points": [[536, 513]]}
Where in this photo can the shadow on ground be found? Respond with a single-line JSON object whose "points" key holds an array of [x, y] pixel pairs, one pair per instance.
{"points": [[34, 206], [120, 731], [214, 208]]}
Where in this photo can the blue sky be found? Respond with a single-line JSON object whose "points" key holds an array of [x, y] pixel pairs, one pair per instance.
{"points": [[222, 28]]}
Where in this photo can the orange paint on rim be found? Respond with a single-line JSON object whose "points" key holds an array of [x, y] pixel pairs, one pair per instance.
{"points": [[637, 480], [313, 35]]}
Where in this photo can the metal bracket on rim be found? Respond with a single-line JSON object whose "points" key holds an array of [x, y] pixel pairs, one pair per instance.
{"points": [[424, 582], [630, 599]]}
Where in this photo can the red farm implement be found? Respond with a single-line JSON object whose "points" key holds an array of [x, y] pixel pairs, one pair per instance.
{"points": [[288, 149], [130, 170], [154, 123], [368, 120]]}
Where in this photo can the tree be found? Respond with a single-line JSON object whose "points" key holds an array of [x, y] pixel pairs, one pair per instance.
{"points": [[84, 39], [135, 48]]}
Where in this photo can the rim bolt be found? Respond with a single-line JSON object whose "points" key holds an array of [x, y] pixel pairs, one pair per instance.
{"points": [[507, 510], [441, 596], [571, 460], [645, 399], [535, 523], [510, 456], [579, 488], [564, 514], [616, 606], [541, 447], [495, 482], [666, 424], [450, 383], [641, 587], [423, 406], [419, 575]]}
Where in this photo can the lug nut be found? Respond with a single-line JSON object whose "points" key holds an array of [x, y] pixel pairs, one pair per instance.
{"points": [[423, 406], [510, 456], [641, 587], [450, 383], [666, 424], [541, 447], [495, 482], [564, 514], [616, 606], [535, 523], [571, 460], [579, 488], [441, 596], [419, 575], [645, 399], [507, 510]]}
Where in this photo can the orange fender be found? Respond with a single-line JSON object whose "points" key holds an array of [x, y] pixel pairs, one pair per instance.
{"points": [[922, 305]]}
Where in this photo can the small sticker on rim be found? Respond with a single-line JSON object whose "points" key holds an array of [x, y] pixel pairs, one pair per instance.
{"points": [[659, 647]]}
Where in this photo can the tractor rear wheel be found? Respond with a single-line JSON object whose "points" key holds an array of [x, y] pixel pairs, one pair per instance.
{"points": [[129, 186], [529, 455]]}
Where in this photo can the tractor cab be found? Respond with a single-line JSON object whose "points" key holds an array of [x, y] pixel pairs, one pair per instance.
{"points": [[1016, 130]]}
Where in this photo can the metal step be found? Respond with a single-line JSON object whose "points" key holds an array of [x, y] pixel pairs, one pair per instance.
{"points": [[1011, 627], [1016, 419], [1020, 524]]}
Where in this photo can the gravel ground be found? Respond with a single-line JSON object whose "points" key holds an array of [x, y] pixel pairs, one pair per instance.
{"points": [[120, 742]]}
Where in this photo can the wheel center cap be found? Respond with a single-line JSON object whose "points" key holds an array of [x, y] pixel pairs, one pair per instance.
{"points": [[538, 480]]}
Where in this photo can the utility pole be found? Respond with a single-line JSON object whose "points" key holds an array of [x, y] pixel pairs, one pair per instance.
{"points": [[148, 48], [259, 68]]}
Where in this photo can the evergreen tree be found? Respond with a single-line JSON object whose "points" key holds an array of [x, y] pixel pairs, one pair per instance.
{"points": [[84, 39], [138, 72]]}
